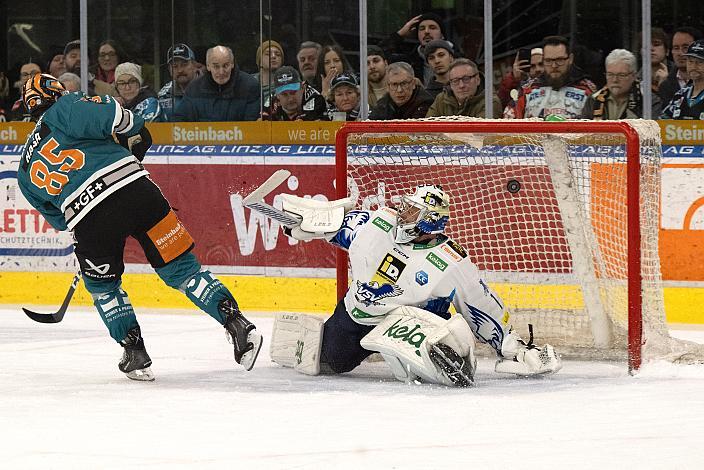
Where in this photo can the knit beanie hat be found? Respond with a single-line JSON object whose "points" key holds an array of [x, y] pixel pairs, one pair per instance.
{"points": [[434, 17], [128, 68], [436, 44], [268, 44]]}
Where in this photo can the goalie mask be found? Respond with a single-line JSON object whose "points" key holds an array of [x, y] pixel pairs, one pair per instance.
{"points": [[40, 91], [426, 211]]}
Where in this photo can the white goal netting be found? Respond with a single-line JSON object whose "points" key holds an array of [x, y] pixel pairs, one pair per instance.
{"points": [[543, 209]]}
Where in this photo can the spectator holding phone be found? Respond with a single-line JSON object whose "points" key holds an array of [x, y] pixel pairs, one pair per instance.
{"points": [[527, 65], [562, 89]]}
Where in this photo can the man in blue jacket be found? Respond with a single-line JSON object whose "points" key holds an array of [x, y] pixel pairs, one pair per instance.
{"points": [[223, 93]]}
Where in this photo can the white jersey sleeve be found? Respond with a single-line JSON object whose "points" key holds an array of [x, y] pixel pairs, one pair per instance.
{"points": [[480, 306], [351, 225]]}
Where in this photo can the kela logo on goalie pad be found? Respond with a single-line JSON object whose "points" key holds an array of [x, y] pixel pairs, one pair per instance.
{"points": [[413, 336], [299, 351], [389, 270]]}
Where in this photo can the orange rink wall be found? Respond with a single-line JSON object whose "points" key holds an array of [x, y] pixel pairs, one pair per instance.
{"points": [[681, 222]]}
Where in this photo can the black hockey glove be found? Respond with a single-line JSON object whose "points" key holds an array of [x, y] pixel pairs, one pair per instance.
{"points": [[137, 144]]}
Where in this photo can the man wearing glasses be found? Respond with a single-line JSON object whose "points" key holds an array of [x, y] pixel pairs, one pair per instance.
{"points": [[688, 102], [682, 38], [621, 98], [406, 98], [465, 96], [19, 112], [561, 90]]}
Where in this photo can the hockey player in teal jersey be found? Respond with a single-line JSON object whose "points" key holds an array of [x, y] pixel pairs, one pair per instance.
{"points": [[406, 273], [81, 168]]}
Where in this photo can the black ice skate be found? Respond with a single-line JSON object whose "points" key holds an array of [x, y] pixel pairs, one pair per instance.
{"points": [[243, 334], [135, 361]]}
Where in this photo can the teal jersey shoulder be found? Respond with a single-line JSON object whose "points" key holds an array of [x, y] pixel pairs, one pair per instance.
{"points": [[71, 142]]}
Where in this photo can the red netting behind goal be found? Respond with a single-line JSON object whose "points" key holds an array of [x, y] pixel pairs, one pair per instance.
{"points": [[561, 216]]}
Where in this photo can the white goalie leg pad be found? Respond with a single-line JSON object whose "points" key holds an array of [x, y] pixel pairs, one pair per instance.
{"points": [[296, 341], [522, 359], [406, 336], [320, 219]]}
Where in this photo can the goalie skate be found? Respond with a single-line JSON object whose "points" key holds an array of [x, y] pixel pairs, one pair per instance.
{"points": [[455, 368], [241, 333]]}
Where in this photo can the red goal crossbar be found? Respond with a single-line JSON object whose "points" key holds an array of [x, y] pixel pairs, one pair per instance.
{"points": [[635, 300]]}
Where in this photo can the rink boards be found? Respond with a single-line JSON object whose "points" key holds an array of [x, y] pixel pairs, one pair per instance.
{"points": [[206, 183]]}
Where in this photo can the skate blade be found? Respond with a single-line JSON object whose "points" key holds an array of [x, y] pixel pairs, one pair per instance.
{"points": [[248, 358], [142, 375]]}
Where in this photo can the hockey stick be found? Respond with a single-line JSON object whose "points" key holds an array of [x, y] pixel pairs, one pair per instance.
{"points": [[255, 200], [59, 315]]}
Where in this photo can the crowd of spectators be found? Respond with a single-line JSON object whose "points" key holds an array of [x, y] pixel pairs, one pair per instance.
{"points": [[431, 79]]}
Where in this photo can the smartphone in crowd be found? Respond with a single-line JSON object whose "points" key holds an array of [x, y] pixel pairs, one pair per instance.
{"points": [[524, 54]]}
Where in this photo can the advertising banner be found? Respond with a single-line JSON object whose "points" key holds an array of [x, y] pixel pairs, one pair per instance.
{"points": [[230, 238], [205, 169]]}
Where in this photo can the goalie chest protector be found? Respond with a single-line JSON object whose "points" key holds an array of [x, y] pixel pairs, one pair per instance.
{"points": [[387, 275]]}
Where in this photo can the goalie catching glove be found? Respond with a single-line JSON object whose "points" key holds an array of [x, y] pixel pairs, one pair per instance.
{"points": [[319, 219], [526, 359]]}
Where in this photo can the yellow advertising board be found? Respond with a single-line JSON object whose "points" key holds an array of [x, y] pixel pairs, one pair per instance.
{"points": [[297, 132], [244, 133], [682, 132], [14, 132]]}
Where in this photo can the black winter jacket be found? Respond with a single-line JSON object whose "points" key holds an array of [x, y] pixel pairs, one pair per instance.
{"points": [[416, 107], [205, 100]]}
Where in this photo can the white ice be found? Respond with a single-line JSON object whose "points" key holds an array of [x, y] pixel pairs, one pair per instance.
{"points": [[65, 405]]}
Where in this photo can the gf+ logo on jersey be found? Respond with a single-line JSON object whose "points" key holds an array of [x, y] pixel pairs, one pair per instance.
{"points": [[421, 278]]}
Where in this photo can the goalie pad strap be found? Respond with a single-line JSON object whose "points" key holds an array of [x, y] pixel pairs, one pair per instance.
{"points": [[405, 337], [296, 341]]}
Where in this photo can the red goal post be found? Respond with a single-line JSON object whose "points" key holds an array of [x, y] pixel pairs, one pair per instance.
{"points": [[400, 133]]}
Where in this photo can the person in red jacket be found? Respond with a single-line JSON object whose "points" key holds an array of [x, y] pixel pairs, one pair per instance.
{"points": [[561, 90], [522, 71]]}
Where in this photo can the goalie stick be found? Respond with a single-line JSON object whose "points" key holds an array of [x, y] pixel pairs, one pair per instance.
{"points": [[59, 314], [255, 200]]}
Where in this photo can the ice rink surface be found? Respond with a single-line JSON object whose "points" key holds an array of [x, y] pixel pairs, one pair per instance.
{"points": [[65, 405]]}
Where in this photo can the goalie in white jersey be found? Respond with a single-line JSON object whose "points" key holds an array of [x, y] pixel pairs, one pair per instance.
{"points": [[405, 275]]}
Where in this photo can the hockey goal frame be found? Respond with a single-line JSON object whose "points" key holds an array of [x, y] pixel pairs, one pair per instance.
{"points": [[633, 168]]}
